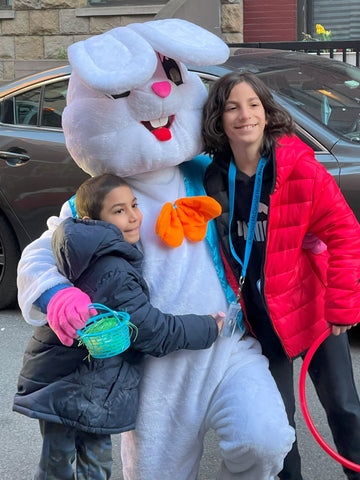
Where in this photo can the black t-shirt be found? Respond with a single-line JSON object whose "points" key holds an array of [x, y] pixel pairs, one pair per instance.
{"points": [[216, 184], [254, 301]]}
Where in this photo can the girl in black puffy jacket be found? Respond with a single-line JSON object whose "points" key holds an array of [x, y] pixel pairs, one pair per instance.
{"points": [[79, 401]]}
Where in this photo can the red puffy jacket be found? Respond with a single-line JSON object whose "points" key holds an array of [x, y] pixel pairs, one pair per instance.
{"points": [[303, 290]]}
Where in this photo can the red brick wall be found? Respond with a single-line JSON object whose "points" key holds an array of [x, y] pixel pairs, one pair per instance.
{"points": [[269, 20]]}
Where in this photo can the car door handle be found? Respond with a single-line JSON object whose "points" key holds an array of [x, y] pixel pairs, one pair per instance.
{"points": [[14, 159]]}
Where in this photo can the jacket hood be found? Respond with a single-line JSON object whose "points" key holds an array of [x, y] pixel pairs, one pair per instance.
{"points": [[77, 244]]}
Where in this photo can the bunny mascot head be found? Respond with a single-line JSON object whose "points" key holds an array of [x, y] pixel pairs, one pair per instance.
{"points": [[133, 109]]}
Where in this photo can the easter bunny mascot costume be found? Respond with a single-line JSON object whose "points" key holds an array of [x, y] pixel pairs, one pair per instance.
{"points": [[134, 109]]}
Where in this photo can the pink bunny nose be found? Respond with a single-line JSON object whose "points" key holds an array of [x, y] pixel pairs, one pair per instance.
{"points": [[162, 89]]}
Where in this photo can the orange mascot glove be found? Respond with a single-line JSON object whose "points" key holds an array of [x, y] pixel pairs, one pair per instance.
{"points": [[187, 217]]}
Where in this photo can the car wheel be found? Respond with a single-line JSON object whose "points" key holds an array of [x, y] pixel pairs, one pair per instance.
{"points": [[9, 258]]}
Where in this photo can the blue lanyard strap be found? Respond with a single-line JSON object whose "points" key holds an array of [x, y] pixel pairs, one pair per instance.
{"points": [[253, 214]]}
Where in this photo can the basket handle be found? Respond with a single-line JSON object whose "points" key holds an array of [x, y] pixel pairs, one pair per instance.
{"points": [[100, 306]]}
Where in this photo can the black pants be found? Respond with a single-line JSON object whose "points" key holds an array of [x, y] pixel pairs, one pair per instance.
{"points": [[332, 375]]}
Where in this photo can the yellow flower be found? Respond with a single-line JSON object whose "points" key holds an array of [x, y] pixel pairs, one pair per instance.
{"points": [[324, 35]]}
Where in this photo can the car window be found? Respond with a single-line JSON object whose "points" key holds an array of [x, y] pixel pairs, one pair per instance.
{"points": [[54, 103], [41, 106], [26, 107], [7, 111], [328, 93]]}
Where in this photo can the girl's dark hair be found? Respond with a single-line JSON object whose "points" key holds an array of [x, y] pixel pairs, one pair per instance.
{"points": [[90, 195], [279, 120]]}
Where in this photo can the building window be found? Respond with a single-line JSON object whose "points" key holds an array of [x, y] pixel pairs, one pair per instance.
{"points": [[5, 4]]}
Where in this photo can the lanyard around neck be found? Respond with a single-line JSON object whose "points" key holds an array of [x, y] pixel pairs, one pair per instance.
{"points": [[253, 214]]}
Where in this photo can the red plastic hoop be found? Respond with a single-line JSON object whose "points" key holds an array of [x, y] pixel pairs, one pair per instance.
{"points": [[305, 411]]}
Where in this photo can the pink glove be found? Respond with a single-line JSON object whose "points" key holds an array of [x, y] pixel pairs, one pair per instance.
{"points": [[67, 312], [313, 243]]}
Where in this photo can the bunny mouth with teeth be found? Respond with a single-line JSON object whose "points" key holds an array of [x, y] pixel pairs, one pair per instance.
{"points": [[160, 127]]}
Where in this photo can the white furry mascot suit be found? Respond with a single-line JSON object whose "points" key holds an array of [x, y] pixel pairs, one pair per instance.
{"points": [[133, 109]]}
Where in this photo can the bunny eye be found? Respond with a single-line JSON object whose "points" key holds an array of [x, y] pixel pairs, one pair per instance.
{"points": [[172, 70], [120, 95]]}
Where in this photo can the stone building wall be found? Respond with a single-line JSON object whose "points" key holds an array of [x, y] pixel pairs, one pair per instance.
{"points": [[37, 30], [232, 21]]}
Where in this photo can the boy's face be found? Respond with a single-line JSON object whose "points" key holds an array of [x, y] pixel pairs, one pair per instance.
{"points": [[244, 117], [121, 209]]}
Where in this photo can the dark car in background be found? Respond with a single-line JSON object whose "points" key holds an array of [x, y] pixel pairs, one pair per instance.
{"points": [[37, 174]]}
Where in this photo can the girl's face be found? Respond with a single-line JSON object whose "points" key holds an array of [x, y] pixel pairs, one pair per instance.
{"points": [[244, 117], [121, 209]]}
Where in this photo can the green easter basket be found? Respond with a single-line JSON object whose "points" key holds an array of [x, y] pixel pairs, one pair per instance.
{"points": [[106, 334]]}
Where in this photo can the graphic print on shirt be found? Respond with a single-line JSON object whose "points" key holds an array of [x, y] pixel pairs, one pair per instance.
{"points": [[261, 225]]}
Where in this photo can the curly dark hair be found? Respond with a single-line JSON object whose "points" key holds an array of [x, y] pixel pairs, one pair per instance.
{"points": [[89, 199], [279, 120]]}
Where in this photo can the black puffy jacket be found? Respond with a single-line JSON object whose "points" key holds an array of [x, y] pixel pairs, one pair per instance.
{"points": [[58, 383]]}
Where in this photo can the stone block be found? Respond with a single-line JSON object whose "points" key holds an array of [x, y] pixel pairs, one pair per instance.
{"points": [[56, 44], [47, 4], [231, 18], [70, 24], [8, 72], [44, 22], [7, 47], [29, 48], [26, 5], [79, 38], [103, 24], [233, 38], [16, 26]]}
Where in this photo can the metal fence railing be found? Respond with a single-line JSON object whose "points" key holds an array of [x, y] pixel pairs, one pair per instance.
{"points": [[344, 46]]}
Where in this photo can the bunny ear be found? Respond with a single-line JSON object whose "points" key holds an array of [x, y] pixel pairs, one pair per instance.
{"points": [[183, 41], [113, 62]]}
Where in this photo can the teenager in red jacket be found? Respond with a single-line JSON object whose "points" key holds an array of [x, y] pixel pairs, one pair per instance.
{"points": [[268, 180]]}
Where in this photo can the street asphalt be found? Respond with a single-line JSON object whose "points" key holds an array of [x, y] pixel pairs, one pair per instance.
{"points": [[20, 439]]}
